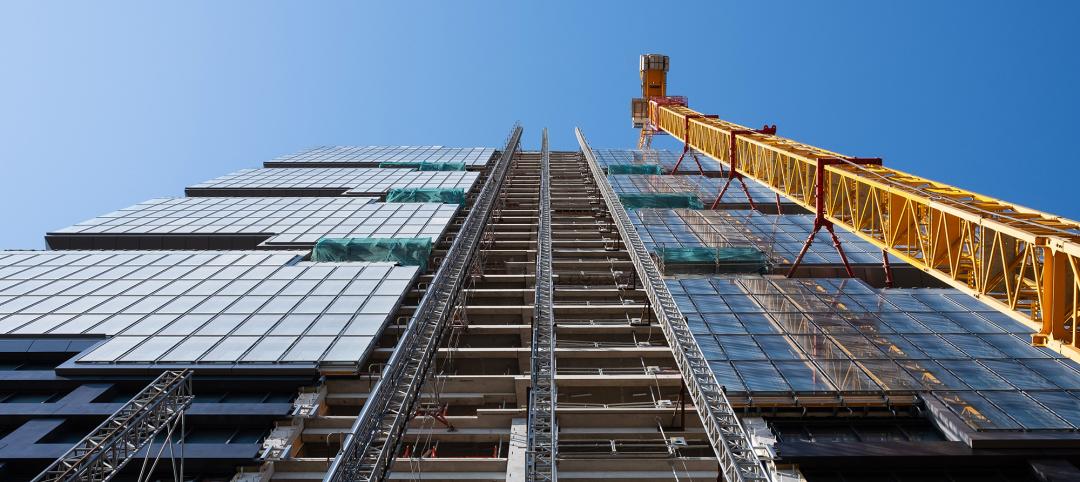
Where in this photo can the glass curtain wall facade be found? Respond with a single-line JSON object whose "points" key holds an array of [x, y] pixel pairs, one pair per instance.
{"points": [[848, 379], [222, 282]]}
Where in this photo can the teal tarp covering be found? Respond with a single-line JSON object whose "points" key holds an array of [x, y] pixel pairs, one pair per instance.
{"points": [[442, 166], [747, 257], [634, 169], [426, 195], [660, 200], [403, 165], [403, 251], [426, 166]]}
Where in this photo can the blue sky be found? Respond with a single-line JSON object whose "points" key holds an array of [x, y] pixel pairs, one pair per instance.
{"points": [[105, 104]]}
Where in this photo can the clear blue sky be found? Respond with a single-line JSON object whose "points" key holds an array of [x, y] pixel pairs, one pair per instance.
{"points": [[104, 104]]}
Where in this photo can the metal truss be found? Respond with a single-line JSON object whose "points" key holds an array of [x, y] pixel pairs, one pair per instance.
{"points": [[103, 453], [543, 426], [734, 450], [371, 445], [1022, 262]]}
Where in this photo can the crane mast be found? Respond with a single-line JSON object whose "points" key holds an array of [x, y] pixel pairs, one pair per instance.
{"points": [[1022, 262], [101, 455]]}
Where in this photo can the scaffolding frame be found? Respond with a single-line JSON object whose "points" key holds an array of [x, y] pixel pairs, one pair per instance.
{"points": [[733, 447], [103, 453], [543, 426], [371, 444]]}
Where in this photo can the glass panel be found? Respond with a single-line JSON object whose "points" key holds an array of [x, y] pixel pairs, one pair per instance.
{"points": [[1014, 347], [895, 346], [329, 325], [191, 349], [1061, 403], [779, 347], [309, 348], [857, 346], [347, 304], [112, 349], [975, 347], [722, 323], [380, 304], [890, 375], [230, 349], [761, 376], [293, 324], [740, 347], [348, 349], [975, 375], [803, 376], [818, 347], [269, 349], [935, 346], [847, 376], [1022, 409], [152, 348], [757, 323], [221, 325], [366, 325], [903, 323], [976, 411], [710, 349], [726, 376], [931, 375], [1056, 372], [1018, 375]]}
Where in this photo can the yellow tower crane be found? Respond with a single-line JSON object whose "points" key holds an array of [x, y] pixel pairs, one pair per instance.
{"points": [[1020, 261]]}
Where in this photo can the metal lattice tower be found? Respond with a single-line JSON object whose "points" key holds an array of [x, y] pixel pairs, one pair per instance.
{"points": [[734, 450], [103, 453], [543, 426], [371, 444]]}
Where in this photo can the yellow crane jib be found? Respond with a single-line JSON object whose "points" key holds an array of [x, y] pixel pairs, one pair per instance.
{"points": [[1020, 261]]}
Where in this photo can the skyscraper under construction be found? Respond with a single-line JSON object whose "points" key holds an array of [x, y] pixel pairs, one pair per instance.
{"points": [[745, 308]]}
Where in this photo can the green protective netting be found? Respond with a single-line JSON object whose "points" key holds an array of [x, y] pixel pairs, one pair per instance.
{"points": [[660, 200], [403, 165], [426, 166], [634, 169], [747, 256], [442, 166], [403, 251], [426, 195]]}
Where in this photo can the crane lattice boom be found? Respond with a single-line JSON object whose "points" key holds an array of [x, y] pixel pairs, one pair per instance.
{"points": [[1020, 261]]}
